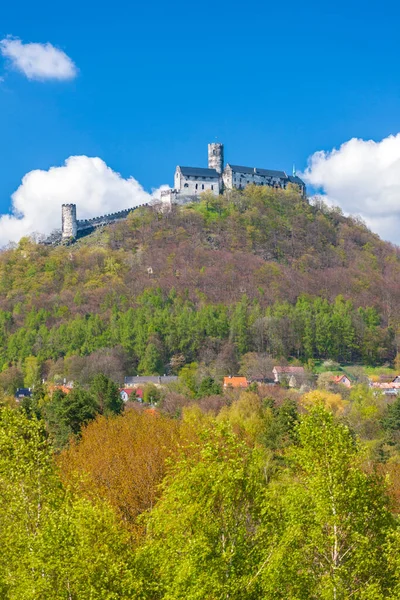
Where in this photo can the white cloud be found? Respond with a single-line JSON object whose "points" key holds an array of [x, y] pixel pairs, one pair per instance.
{"points": [[87, 182], [363, 178], [38, 61]]}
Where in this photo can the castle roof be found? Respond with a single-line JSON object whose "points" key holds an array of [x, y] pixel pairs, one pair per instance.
{"points": [[199, 172], [296, 180], [255, 171]]}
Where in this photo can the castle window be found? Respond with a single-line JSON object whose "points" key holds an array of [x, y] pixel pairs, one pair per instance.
{"points": [[197, 185], [186, 185], [212, 187], [202, 186]]}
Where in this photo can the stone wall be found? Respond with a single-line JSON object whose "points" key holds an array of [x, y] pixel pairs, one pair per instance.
{"points": [[105, 219]]}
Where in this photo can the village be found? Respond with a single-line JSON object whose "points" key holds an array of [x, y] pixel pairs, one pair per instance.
{"points": [[296, 378]]}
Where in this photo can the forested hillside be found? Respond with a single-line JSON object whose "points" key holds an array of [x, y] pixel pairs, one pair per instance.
{"points": [[262, 270], [202, 491]]}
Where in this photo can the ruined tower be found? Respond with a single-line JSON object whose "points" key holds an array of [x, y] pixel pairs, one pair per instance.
{"points": [[69, 226], [216, 157]]}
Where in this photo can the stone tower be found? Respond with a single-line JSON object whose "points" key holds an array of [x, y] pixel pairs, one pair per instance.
{"points": [[69, 225], [216, 157]]}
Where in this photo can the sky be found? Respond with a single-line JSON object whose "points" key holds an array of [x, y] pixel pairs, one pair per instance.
{"points": [[99, 102]]}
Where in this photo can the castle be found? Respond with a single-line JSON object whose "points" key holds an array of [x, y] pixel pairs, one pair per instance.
{"points": [[189, 184]]}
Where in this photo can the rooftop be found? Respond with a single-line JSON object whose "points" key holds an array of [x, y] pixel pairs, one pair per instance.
{"points": [[199, 172], [156, 379], [289, 369], [256, 171], [240, 382]]}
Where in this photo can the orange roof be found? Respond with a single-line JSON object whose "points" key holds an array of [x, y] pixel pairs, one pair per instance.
{"points": [[338, 378], [63, 388], [236, 382]]}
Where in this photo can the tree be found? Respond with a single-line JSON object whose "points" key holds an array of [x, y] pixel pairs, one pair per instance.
{"points": [[54, 545], [329, 519], [256, 366], [151, 394], [151, 363], [202, 534], [106, 394], [123, 460], [66, 414], [208, 387], [330, 401], [31, 371], [11, 379], [247, 417]]}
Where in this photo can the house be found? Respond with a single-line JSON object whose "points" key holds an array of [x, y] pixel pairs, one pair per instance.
{"points": [[389, 389], [396, 379], [235, 382], [293, 376], [342, 380], [135, 394], [23, 393], [157, 380]]}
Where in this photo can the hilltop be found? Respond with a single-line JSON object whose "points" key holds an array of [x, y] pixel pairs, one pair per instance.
{"points": [[260, 268]]}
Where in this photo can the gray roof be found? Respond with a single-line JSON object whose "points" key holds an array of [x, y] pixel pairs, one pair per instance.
{"points": [[256, 171], [271, 173], [296, 180], [160, 379], [199, 172]]}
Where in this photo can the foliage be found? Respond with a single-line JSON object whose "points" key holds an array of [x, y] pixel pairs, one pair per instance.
{"points": [[106, 394], [54, 545], [329, 521], [202, 534]]}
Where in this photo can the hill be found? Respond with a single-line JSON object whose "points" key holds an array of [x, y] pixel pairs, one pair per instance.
{"points": [[254, 270]]}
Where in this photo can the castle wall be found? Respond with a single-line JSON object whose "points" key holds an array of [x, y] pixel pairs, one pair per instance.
{"points": [[196, 185]]}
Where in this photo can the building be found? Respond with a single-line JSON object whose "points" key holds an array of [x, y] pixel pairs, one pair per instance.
{"points": [[235, 382], [342, 380], [135, 394], [23, 393], [137, 380], [389, 389], [292, 376], [190, 182]]}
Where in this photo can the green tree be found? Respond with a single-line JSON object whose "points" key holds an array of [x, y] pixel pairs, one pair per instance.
{"points": [[208, 387], [31, 371], [54, 545], [202, 534], [329, 519], [66, 414], [106, 394], [151, 363], [151, 394]]}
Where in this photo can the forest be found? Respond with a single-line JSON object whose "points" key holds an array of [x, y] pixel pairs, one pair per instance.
{"points": [[262, 493], [259, 270], [201, 492]]}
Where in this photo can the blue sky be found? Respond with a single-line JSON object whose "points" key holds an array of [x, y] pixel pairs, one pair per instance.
{"points": [[157, 81]]}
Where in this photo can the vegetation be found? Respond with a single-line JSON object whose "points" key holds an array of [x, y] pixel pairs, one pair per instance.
{"points": [[200, 492], [261, 498], [260, 269]]}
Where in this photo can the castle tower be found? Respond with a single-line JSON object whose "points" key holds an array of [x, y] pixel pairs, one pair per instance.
{"points": [[216, 157], [69, 225]]}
